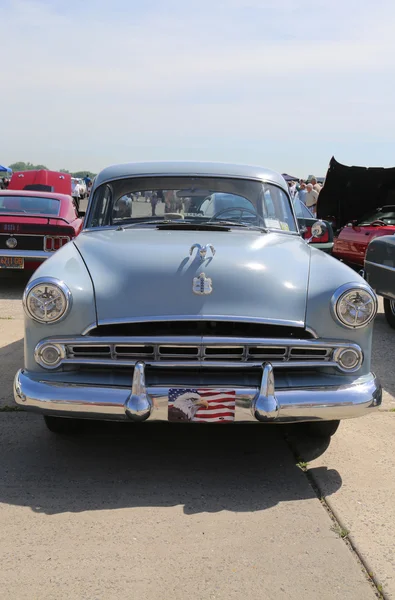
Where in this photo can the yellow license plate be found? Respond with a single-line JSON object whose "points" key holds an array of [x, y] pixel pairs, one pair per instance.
{"points": [[12, 262]]}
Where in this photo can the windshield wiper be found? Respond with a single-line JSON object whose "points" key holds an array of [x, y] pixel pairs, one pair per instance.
{"points": [[121, 226], [241, 224]]}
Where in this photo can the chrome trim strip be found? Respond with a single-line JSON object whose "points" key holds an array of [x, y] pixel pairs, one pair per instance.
{"points": [[28, 254], [194, 340], [106, 402], [243, 360], [15, 233], [173, 363], [230, 318], [387, 267]]}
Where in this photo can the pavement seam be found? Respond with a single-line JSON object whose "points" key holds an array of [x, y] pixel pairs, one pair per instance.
{"points": [[347, 539]]}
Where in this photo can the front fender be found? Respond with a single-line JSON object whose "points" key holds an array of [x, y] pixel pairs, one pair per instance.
{"points": [[326, 275], [67, 265]]}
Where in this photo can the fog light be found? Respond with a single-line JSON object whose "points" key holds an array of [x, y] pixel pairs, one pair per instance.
{"points": [[49, 355], [349, 359]]}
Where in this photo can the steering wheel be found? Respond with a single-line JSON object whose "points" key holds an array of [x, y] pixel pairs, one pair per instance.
{"points": [[231, 208], [378, 222]]}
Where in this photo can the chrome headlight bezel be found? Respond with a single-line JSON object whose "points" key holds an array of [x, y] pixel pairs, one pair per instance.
{"points": [[339, 295], [40, 359], [50, 281]]}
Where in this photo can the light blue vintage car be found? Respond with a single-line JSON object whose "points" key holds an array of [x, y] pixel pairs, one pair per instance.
{"points": [[161, 311]]}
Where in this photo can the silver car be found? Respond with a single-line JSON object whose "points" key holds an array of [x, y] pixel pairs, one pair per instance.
{"points": [[219, 315]]}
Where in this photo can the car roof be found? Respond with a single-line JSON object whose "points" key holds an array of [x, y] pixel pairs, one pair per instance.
{"points": [[52, 195], [189, 168]]}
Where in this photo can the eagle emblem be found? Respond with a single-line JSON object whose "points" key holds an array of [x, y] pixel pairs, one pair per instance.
{"points": [[202, 285]]}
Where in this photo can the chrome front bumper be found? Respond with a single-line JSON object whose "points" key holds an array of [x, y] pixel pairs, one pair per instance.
{"points": [[140, 402]]}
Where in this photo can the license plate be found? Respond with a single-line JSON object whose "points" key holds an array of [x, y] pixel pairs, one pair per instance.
{"points": [[12, 262], [201, 405]]}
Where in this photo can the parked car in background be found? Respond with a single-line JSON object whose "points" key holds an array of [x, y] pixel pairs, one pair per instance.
{"points": [[380, 272], [219, 317], [33, 225], [360, 203], [41, 181]]}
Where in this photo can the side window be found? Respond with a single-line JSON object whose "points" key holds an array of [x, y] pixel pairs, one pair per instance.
{"points": [[298, 209], [269, 211], [306, 213], [101, 205]]}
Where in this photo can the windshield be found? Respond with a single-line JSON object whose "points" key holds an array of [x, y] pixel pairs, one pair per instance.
{"points": [[385, 214], [191, 199], [32, 205]]}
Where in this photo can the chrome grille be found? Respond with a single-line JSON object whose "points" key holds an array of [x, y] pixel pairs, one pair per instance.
{"points": [[198, 350]]}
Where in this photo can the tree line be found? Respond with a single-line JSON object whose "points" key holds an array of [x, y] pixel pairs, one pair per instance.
{"points": [[27, 166]]}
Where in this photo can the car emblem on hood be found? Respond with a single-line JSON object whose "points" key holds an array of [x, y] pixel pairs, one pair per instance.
{"points": [[11, 243], [202, 250], [202, 285]]}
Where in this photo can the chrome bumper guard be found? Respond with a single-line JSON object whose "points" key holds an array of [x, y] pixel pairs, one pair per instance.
{"points": [[140, 403]]}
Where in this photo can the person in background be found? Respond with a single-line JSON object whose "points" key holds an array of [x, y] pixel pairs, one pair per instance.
{"points": [[311, 199], [292, 188], [154, 202], [302, 193], [316, 186], [2, 186], [88, 181], [299, 184]]}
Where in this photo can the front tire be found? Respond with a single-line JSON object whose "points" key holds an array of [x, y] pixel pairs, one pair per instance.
{"points": [[62, 425], [322, 429], [389, 309]]}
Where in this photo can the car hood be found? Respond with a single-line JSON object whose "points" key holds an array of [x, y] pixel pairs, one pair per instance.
{"points": [[351, 192], [149, 273]]}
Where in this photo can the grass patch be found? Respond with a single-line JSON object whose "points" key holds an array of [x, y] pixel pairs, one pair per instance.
{"points": [[302, 465], [10, 408], [342, 532], [6, 318]]}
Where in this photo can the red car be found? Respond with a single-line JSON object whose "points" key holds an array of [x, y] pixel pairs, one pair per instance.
{"points": [[360, 203], [33, 225], [41, 181]]}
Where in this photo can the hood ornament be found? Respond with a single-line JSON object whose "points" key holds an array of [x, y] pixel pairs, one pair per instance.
{"points": [[202, 250], [202, 285]]}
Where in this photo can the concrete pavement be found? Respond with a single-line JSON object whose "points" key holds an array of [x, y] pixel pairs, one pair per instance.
{"points": [[158, 512]]}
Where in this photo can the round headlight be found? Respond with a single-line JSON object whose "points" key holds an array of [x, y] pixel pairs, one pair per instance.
{"points": [[47, 300], [349, 359], [354, 305], [49, 355]]}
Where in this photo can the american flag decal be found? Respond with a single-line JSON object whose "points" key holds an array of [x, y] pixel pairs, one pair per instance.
{"points": [[201, 405]]}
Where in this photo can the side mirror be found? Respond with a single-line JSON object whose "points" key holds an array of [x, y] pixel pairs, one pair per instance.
{"points": [[318, 230]]}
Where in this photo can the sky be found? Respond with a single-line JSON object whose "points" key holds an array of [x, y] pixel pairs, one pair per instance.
{"points": [[279, 83]]}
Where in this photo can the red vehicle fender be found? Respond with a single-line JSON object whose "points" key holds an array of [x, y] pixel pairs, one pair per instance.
{"points": [[41, 181]]}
